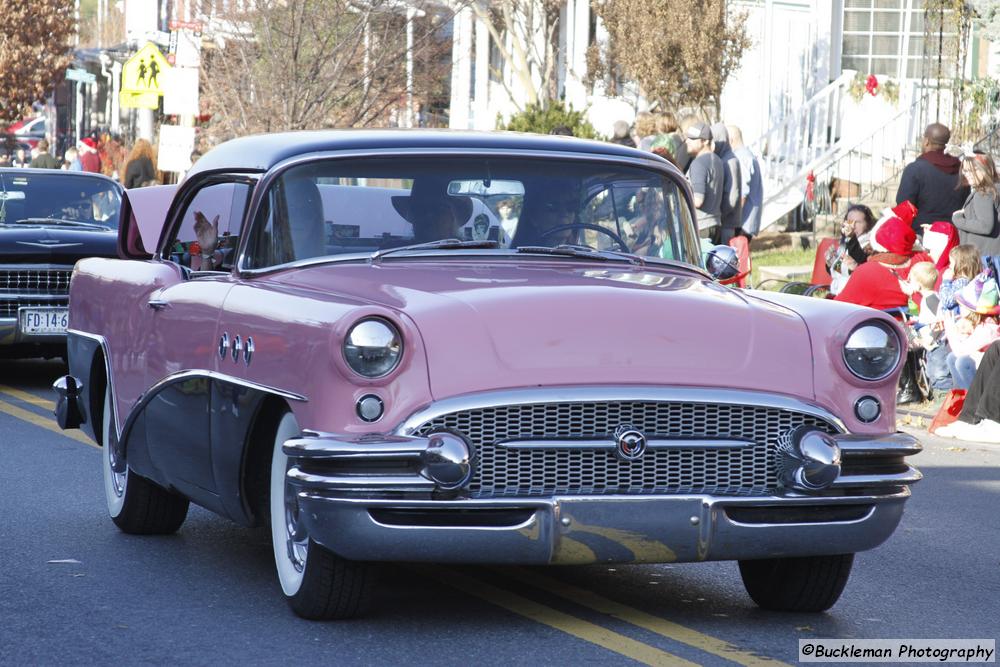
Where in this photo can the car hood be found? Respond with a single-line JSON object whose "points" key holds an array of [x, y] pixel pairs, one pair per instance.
{"points": [[54, 244], [521, 324]]}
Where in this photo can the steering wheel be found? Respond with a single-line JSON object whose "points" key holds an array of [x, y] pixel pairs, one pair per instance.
{"points": [[586, 225]]}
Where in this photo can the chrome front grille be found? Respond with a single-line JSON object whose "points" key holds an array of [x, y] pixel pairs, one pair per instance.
{"points": [[500, 471], [9, 308], [35, 280]]}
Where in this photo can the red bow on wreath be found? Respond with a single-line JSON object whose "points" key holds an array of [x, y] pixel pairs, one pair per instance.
{"points": [[871, 85]]}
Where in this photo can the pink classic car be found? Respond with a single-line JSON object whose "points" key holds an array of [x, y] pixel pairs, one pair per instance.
{"points": [[475, 348]]}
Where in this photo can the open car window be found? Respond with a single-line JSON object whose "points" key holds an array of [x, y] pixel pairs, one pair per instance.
{"points": [[334, 208], [209, 232]]}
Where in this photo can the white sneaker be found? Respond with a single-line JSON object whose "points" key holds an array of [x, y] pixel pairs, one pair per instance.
{"points": [[987, 431]]}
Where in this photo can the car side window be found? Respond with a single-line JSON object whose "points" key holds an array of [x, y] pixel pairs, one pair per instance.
{"points": [[208, 235]]}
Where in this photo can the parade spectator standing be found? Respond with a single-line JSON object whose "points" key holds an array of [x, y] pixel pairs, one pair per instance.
{"points": [[645, 129], [621, 134], [707, 177], [45, 160], [977, 219], [20, 158], [72, 160], [682, 155], [139, 170], [931, 182], [732, 181], [89, 160], [753, 184]]}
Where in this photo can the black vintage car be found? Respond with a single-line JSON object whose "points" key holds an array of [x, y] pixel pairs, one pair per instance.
{"points": [[48, 220]]}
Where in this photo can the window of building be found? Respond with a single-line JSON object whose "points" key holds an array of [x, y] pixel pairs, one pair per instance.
{"points": [[889, 38]]}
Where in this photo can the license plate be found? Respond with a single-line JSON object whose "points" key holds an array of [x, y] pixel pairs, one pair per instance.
{"points": [[43, 320]]}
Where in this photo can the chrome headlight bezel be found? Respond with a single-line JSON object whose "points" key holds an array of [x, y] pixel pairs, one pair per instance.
{"points": [[372, 333], [892, 337]]}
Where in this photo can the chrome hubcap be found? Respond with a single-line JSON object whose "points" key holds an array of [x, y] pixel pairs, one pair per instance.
{"points": [[296, 538], [118, 479]]}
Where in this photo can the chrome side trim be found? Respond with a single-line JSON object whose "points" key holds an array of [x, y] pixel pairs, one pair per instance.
{"points": [[653, 443], [180, 376], [103, 342], [612, 393]]}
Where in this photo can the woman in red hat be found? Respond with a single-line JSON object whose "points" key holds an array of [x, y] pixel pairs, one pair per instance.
{"points": [[876, 283]]}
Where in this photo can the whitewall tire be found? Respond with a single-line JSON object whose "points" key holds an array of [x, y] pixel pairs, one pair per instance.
{"points": [[317, 584]]}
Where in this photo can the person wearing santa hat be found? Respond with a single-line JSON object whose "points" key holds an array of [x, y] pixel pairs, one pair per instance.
{"points": [[939, 239], [89, 159], [876, 283]]}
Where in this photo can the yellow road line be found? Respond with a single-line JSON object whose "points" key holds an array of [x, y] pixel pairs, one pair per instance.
{"points": [[26, 397], [553, 618], [660, 626], [45, 422]]}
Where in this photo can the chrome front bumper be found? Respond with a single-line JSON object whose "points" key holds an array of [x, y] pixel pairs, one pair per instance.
{"points": [[11, 334], [376, 499]]}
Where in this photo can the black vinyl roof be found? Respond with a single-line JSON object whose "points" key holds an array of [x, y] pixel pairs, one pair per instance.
{"points": [[263, 151]]}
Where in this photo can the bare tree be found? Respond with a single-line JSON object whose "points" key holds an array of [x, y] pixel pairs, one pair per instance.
{"points": [[525, 34], [35, 42], [298, 64], [681, 52]]}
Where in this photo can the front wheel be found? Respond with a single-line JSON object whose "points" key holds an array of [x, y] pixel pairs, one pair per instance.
{"points": [[811, 583], [136, 505], [318, 584]]}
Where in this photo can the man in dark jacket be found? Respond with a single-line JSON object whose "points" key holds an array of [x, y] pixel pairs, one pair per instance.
{"points": [[932, 182], [45, 160], [732, 201]]}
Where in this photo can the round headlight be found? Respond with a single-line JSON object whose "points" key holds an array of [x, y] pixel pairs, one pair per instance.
{"points": [[373, 348], [872, 351]]}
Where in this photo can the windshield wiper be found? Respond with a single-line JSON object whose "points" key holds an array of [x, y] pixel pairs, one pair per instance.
{"points": [[443, 244], [60, 221], [568, 250]]}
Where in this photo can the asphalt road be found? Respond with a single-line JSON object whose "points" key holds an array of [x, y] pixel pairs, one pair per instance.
{"points": [[74, 590]]}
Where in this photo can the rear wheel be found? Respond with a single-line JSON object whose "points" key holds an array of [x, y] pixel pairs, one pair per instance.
{"points": [[318, 584], [136, 505], [812, 583]]}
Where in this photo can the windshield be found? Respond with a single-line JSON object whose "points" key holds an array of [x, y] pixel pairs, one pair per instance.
{"points": [[358, 207], [58, 198]]}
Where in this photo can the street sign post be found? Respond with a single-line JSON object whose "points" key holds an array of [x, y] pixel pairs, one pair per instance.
{"points": [[80, 76]]}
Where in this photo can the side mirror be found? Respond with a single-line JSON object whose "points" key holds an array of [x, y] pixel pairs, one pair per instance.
{"points": [[143, 214], [722, 262]]}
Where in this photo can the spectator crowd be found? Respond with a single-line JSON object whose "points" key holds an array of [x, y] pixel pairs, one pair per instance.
{"points": [[933, 261]]}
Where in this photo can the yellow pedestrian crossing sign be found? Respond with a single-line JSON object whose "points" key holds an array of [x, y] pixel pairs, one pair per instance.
{"points": [[142, 78]]}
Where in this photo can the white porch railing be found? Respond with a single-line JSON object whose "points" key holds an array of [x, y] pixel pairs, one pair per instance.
{"points": [[804, 137]]}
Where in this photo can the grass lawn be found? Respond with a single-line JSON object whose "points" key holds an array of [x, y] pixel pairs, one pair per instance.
{"points": [[780, 257]]}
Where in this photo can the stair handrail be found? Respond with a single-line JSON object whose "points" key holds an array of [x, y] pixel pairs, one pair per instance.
{"points": [[837, 152], [782, 140]]}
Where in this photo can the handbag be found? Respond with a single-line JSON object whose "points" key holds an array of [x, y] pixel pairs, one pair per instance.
{"points": [[949, 411]]}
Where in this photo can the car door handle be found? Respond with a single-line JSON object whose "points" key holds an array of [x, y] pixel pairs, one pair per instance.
{"points": [[157, 304]]}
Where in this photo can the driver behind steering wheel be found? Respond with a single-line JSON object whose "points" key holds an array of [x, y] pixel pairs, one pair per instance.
{"points": [[551, 203]]}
